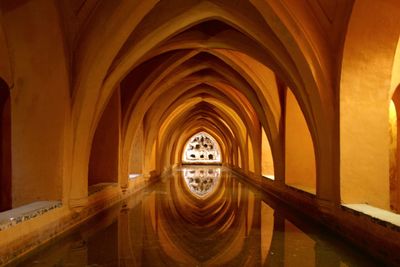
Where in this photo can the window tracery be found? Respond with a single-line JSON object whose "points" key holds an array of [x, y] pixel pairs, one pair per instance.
{"points": [[202, 148]]}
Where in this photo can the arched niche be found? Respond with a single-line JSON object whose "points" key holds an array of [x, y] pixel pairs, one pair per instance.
{"points": [[104, 156], [201, 148], [5, 148]]}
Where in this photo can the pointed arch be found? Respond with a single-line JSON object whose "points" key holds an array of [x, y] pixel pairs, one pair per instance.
{"points": [[201, 148]]}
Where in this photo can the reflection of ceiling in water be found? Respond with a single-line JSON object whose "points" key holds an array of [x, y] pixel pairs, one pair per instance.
{"points": [[201, 181], [202, 148], [165, 226]]}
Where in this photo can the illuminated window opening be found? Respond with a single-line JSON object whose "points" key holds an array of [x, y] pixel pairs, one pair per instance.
{"points": [[202, 149]]}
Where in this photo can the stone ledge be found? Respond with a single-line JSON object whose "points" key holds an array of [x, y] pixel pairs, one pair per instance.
{"points": [[100, 187], [376, 215], [15, 216]]}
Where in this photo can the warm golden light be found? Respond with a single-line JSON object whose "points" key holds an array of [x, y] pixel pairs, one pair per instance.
{"points": [[202, 149], [267, 164]]}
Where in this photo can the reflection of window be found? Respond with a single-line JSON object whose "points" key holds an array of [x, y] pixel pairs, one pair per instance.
{"points": [[201, 181], [202, 148]]}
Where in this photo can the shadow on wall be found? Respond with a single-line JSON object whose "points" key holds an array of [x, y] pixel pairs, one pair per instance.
{"points": [[5, 147]]}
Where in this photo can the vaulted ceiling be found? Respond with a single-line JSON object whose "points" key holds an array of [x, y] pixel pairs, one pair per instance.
{"points": [[219, 66]]}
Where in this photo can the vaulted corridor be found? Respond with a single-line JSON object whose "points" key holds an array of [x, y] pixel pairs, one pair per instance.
{"points": [[102, 101]]}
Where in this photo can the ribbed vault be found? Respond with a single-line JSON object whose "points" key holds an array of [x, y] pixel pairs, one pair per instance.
{"points": [[216, 66]]}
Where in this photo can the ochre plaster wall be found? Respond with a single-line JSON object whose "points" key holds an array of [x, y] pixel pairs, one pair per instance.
{"points": [[300, 159], [364, 102], [395, 79], [267, 163], [150, 162], [137, 152], [240, 164], [104, 157], [39, 99], [250, 154]]}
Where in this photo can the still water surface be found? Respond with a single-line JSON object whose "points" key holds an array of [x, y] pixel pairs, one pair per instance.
{"points": [[200, 216]]}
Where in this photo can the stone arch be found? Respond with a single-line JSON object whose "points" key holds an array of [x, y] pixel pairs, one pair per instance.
{"points": [[91, 94], [394, 135], [181, 90], [394, 151], [216, 132], [187, 120]]}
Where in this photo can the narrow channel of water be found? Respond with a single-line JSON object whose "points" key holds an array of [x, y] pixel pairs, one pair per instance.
{"points": [[200, 216]]}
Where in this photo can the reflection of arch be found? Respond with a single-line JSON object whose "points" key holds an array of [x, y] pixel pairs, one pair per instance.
{"points": [[5, 147], [188, 232], [202, 148]]}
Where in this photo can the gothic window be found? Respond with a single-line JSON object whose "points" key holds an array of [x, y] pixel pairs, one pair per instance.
{"points": [[202, 148]]}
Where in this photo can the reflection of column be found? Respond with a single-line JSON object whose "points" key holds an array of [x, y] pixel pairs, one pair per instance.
{"points": [[325, 256], [78, 254], [299, 246], [103, 246], [124, 248], [254, 237], [133, 233], [266, 230], [276, 254]]}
